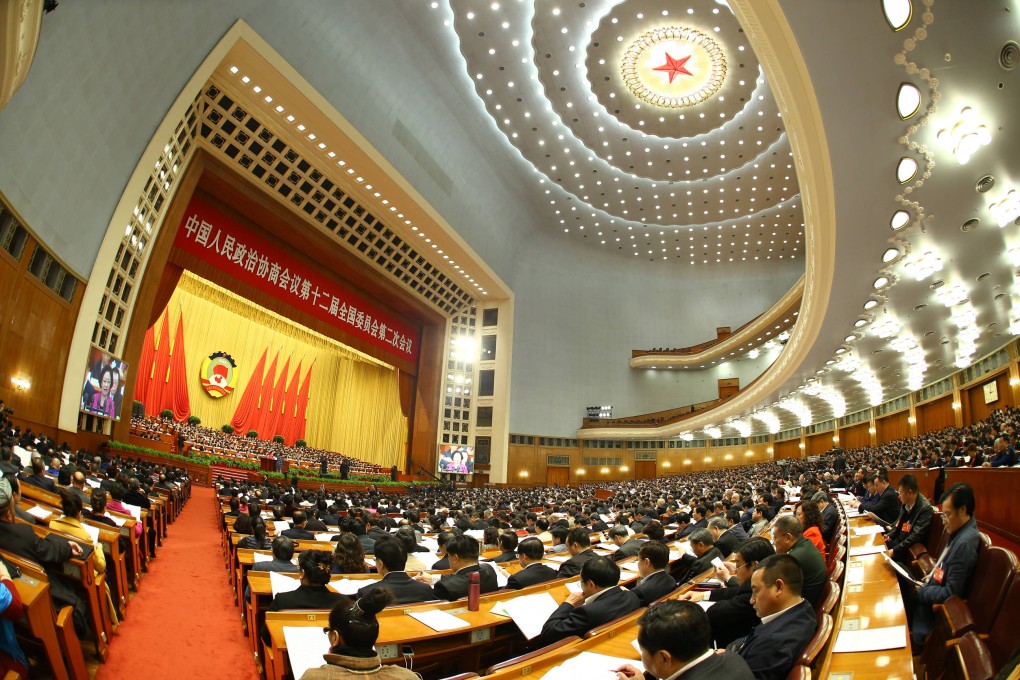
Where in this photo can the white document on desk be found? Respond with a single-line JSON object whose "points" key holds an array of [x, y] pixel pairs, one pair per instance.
{"points": [[347, 586], [870, 639], [439, 620], [573, 586], [862, 550], [93, 532], [501, 576], [305, 647], [530, 612], [590, 666], [325, 537], [557, 558], [868, 530], [282, 584], [41, 513], [705, 604], [280, 526], [629, 566], [899, 569]]}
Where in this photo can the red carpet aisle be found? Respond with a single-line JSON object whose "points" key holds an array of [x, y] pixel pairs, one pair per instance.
{"points": [[183, 623]]}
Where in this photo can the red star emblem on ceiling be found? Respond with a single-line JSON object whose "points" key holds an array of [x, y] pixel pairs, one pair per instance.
{"points": [[674, 67]]}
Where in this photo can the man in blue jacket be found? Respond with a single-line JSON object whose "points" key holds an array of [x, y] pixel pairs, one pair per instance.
{"points": [[954, 568]]}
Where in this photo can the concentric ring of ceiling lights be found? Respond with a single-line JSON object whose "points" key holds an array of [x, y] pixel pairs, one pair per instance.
{"points": [[690, 78]]}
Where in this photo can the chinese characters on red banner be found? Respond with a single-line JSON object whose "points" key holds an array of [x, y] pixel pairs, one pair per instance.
{"points": [[220, 241]]}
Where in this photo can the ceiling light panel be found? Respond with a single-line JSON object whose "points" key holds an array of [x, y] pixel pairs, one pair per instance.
{"points": [[617, 169]]}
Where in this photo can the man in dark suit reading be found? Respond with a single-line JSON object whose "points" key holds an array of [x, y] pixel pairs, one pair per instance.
{"points": [[600, 601], [788, 621], [655, 582], [580, 550], [462, 551], [390, 560], [626, 546], [529, 553], [674, 637]]}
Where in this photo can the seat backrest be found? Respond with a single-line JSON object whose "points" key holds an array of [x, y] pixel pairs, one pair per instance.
{"points": [[836, 558], [837, 571], [818, 642], [1002, 639], [830, 596], [799, 672], [969, 659], [986, 540], [993, 576], [615, 623], [524, 658], [938, 537]]}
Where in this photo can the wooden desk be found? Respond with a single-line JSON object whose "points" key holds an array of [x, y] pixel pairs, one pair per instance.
{"points": [[873, 601]]}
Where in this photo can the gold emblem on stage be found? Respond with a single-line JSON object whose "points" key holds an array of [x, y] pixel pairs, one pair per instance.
{"points": [[219, 374]]}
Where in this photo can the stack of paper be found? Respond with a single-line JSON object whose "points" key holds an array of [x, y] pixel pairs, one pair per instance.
{"points": [[439, 620], [346, 586], [305, 647], [282, 584], [870, 640], [530, 612], [590, 666], [501, 576]]}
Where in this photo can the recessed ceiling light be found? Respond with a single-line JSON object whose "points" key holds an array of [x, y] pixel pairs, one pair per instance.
{"points": [[871, 304], [890, 255], [908, 100], [881, 282], [906, 170], [897, 13]]}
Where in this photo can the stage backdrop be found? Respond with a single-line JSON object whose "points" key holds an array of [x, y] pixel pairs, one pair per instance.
{"points": [[354, 402]]}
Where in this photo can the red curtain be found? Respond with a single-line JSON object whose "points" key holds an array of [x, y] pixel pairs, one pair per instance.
{"points": [[246, 407], [177, 396], [302, 406], [285, 418], [143, 371], [167, 285], [159, 374], [270, 412]]}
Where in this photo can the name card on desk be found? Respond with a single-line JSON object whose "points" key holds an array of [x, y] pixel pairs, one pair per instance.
{"points": [[282, 584], [438, 620], [860, 551], [305, 647]]}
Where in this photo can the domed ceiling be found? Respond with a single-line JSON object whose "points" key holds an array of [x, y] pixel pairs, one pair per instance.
{"points": [[652, 132]]}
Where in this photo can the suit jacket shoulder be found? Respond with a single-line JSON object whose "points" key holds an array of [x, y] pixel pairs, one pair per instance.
{"points": [[653, 587], [772, 649], [567, 620], [532, 575], [725, 665]]}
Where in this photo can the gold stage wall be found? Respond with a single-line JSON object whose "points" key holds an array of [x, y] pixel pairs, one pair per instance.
{"points": [[354, 402]]}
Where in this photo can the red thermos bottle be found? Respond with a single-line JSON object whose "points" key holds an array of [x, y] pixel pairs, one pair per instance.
{"points": [[474, 590]]}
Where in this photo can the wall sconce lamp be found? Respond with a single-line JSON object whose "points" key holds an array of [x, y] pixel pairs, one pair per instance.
{"points": [[21, 382]]}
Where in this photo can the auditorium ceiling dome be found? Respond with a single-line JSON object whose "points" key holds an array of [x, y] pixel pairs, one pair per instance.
{"points": [[651, 132]]}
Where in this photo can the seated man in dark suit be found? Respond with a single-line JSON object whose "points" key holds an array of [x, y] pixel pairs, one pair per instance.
{"points": [[705, 551], [442, 539], [462, 551], [674, 637], [653, 558], [829, 514], [601, 600], [732, 616], [724, 543], [390, 560], [50, 552], [886, 504], [788, 537], [788, 621], [38, 477], [626, 546], [375, 528], [314, 569], [283, 553], [297, 531], [508, 544], [913, 524], [530, 552], [580, 550]]}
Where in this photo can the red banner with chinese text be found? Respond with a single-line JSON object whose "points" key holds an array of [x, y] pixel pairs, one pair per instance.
{"points": [[211, 236]]}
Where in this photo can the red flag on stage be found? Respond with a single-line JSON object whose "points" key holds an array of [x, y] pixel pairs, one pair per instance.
{"points": [[143, 374], [153, 403], [265, 396], [268, 417], [285, 417], [176, 395], [246, 407], [302, 406]]}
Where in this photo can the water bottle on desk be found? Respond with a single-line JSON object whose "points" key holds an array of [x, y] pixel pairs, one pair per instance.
{"points": [[474, 590]]}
